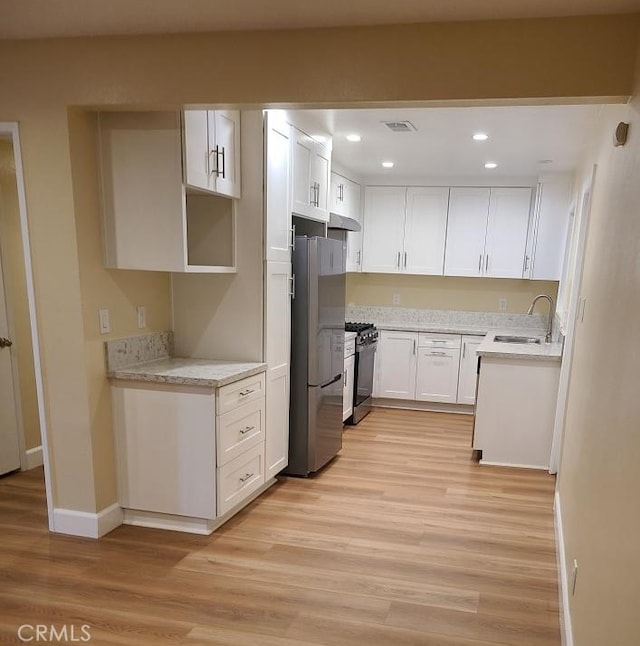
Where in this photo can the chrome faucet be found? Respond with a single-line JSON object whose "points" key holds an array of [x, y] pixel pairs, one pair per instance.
{"points": [[547, 338]]}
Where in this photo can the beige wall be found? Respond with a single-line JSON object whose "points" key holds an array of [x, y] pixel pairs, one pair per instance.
{"points": [[446, 292], [13, 269], [573, 57], [599, 472], [118, 291]]}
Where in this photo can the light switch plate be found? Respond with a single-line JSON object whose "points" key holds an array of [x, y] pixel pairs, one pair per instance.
{"points": [[396, 298], [105, 321], [502, 304], [141, 310]]}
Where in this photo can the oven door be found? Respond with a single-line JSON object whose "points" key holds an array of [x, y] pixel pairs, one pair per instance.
{"points": [[365, 357]]}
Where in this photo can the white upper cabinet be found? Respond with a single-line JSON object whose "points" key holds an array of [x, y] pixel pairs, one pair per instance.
{"points": [[152, 220], [211, 145], [278, 234], [548, 234], [507, 227], [404, 229], [466, 230], [425, 230], [383, 236], [345, 200], [487, 232], [310, 176]]}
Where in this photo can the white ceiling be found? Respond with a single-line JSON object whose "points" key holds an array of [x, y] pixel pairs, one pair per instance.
{"points": [[53, 18], [519, 139]]}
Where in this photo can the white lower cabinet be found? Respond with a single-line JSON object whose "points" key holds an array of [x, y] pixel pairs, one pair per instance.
{"points": [[396, 364], [468, 373], [424, 366], [437, 374], [347, 392], [186, 456]]}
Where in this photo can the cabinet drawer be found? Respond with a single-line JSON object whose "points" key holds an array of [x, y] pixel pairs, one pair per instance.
{"points": [[239, 430], [435, 340], [239, 478], [240, 392]]}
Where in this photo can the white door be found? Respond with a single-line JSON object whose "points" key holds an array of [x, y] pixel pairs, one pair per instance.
{"points": [[396, 364], [383, 239], [196, 151], [277, 187], [9, 446], [425, 230], [507, 228], [227, 140], [320, 180], [347, 392], [468, 373], [437, 375], [354, 238], [302, 191], [277, 349], [466, 229], [552, 225]]}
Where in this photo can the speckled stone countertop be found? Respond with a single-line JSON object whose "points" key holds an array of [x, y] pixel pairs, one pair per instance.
{"points": [[148, 358], [189, 372], [490, 348], [445, 321]]}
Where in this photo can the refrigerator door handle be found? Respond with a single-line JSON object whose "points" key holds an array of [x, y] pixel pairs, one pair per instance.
{"points": [[333, 381]]}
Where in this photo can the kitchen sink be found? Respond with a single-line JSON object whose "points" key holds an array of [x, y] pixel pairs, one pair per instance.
{"points": [[505, 338]]}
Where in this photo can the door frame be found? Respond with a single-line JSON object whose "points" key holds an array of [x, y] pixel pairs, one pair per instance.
{"points": [[583, 211], [11, 128]]}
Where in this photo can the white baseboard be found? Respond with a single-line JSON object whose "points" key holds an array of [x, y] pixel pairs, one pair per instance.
{"points": [[566, 631], [33, 458], [433, 407], [87, 524], [492, 463]]}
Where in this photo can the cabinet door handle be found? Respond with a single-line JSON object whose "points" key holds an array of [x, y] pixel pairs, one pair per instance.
{"points": [[246, 429], [486, 264], [248, 391], [405, 259], [213, 153], [293, 237], [464, 350], [312, 200], [414, 346], [480, 263], [438, 354], [526, 263], [246, 477], [398, 260], [292, 291], [220, 153], [358, 261], [344, 379]]}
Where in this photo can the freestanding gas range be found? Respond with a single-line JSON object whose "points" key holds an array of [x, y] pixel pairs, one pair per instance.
{"points": [[366, 343]]}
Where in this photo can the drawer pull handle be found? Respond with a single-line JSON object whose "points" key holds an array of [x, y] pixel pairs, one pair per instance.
{"points": [[246, 477], [438, 354], [248, 391], [246, 429]]}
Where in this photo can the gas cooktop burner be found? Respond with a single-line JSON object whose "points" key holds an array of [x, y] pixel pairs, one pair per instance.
{"points": [[358, 327]]}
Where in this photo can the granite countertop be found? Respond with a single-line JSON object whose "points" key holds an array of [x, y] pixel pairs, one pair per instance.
{"points": [[189, 372], [445, 328], [534, 351]]}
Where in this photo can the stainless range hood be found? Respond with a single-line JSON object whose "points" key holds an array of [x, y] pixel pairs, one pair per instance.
{"points": [[343, 222]]}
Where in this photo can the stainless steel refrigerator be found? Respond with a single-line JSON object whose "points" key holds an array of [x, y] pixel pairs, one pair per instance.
{"points": [[317, 353]]}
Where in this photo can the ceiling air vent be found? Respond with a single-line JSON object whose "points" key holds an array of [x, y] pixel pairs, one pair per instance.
{"points": [[400, 126]]}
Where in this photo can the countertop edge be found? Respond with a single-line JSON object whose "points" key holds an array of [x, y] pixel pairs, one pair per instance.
{"points": [[133, 373]]}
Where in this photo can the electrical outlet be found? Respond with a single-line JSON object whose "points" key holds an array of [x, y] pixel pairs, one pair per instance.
{"points": [[105, 321], [574, 576], [396, 298], [502, 304], [141, 310]]}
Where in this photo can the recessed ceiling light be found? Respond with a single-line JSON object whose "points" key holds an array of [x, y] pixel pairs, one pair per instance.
{"points": [[491, 165], [355, 138], [480, 136], [387, 164]]}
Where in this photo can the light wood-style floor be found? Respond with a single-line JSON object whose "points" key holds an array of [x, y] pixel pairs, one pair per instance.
{"points": [[402, 541]]}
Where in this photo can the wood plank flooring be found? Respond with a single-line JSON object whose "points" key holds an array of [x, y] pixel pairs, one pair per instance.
{"points": [[402, 541]]}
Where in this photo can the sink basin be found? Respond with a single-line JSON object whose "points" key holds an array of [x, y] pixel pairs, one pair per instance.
{"points": [[504, 338]]}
